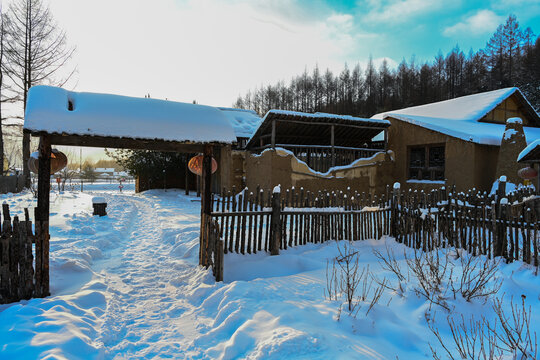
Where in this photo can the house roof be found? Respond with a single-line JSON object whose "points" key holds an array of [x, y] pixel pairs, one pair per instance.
{"points": [[244, 122], [300, 128], [460, 117], [53, 110], [531, 153]]}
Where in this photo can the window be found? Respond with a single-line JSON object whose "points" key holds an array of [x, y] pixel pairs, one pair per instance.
{"points": [[426, 162]]}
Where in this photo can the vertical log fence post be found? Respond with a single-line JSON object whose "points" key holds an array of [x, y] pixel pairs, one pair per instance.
{"points": [[500, 232], [275, 241], [395, 211]]}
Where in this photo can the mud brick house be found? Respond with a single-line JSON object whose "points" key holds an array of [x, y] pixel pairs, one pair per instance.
{"points": [[458, 141]]}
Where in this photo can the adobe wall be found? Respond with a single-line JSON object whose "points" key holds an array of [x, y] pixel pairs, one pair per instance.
{"points": [[467, 165], [512, 144], [275, 167]]}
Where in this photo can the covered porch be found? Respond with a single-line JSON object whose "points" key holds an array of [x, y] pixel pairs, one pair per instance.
{"points": [[320, 140]]}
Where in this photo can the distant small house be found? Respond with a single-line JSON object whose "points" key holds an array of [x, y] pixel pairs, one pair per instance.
{"points": [[104, 173], [457, 140]]}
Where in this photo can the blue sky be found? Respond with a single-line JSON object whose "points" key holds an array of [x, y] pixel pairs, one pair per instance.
{"points": [[400, 29]]}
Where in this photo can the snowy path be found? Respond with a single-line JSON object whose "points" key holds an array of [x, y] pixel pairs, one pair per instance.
{"points": [[127, 286]]}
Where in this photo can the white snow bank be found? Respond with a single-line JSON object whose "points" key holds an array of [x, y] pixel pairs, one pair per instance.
{"points": [[128, 286], [98, 200], [109, 115]]}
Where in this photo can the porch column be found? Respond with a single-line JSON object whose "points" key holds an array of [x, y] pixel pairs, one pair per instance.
{"points": [[273, 133], [332, 144], [42, 217]]}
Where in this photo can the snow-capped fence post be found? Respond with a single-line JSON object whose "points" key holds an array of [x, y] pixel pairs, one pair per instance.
{"points": [[275, 241], [396, 194], [500, 229]]}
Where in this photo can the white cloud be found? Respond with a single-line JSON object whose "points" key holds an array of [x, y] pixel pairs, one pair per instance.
{"points": [[399, 11], [482, 22], [205, 50]]}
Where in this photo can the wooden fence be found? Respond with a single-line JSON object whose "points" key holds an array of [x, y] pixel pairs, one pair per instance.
{"points": [[493, 225], [269, 221], [18, 280]]}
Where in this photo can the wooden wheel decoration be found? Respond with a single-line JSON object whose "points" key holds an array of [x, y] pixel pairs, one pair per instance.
{"points": [[58, 161], [195, 165]]}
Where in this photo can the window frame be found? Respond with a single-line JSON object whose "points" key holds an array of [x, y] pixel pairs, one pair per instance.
{"points": [[432, 170]]}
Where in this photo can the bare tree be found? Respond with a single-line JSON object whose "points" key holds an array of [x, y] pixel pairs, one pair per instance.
{"points": [[6, 95], [36, 49]]}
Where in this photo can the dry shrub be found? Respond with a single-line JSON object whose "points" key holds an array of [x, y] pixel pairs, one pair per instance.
{"points": [[437, 276], [507, 336], [350, 284]]}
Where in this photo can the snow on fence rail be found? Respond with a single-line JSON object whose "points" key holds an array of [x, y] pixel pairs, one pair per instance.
{"points": [[17, 277], [488, 224]]}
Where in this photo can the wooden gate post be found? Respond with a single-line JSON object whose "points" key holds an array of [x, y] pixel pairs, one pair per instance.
{"points": [[206, 206], [42, 217], [275, 241]]}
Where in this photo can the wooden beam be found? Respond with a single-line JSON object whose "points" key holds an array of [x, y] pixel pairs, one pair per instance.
{"points": [[187, 157], [126, 143], [374, 126]]}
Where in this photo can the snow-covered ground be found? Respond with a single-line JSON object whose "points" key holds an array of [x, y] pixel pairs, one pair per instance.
{"points": [[128, 286]]}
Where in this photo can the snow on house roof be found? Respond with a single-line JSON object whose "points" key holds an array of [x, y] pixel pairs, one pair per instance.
{"points": [[244, 122], [460, 117], [93, 114], [325, 116], [533, 147]]}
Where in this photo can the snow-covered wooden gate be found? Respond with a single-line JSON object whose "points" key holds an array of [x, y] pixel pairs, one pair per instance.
{"points": [[61, 117]]}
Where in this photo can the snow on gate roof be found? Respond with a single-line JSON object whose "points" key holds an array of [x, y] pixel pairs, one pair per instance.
{"points": [[460, 117], [54, 110], [244, 122]]}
